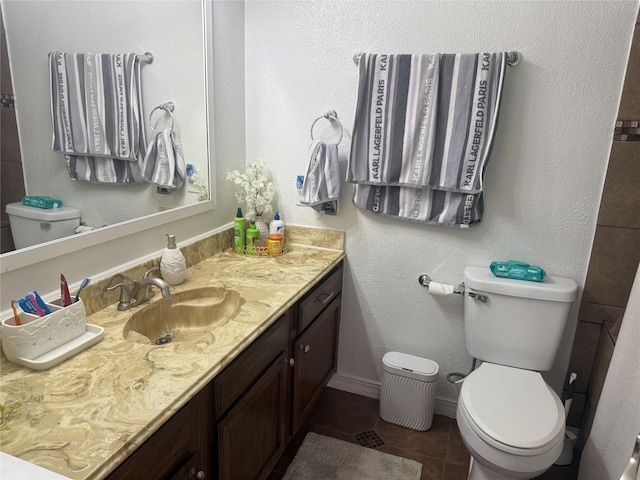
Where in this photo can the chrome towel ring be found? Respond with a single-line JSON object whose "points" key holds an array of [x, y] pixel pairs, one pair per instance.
{"points": [[167, 107], [331, 115]]}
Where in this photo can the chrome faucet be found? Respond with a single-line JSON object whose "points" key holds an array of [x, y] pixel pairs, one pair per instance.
{"points": [[141, 291]]}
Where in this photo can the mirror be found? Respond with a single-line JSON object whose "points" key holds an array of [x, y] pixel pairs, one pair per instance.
{"points": [[178, 34]]}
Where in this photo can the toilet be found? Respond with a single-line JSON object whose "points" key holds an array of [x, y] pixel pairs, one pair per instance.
{"points": [[32, 225], [510, 420]]}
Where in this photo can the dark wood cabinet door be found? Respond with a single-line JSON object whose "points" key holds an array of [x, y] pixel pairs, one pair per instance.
{"points": [[315, 354], [252, 435], [170, 453]]}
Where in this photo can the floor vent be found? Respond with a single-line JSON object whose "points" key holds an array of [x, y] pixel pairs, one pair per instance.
{"points": [[369, 439]]}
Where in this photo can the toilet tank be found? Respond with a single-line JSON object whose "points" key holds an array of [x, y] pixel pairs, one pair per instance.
{"points": [[515, 322], [32, 225]]}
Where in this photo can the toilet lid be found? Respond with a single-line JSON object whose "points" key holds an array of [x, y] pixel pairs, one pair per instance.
{"points": [[512, 406]]}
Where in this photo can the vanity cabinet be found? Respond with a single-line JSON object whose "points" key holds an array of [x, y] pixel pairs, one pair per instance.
{"points": [[237, 427], [177, 451], [264, 395], [251, 407], [315, 346]]}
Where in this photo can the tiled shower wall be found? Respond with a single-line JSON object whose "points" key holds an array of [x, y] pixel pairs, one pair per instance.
{"points": [[615, 253], [12, 183]]}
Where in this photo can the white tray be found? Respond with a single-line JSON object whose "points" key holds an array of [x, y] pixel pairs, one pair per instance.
{"points": [[92, 336]]}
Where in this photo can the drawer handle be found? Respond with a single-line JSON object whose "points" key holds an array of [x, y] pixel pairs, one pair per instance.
{"points": [[306, 348], [292, 362], [327, 298]]}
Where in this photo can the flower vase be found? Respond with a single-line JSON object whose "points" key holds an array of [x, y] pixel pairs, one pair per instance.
{"points": [[264, 230]]}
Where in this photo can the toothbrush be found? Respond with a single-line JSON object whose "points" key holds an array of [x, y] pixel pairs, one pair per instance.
{"points": [[84, 283], [16, 317], [64, 291], [38, 308]]}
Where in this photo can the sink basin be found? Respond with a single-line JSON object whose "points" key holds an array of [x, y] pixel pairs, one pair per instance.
{"points": [[205, 308]]}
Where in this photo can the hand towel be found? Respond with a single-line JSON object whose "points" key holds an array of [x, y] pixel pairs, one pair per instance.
{"points": [[164, 162], [426, 120], [322, 180]]}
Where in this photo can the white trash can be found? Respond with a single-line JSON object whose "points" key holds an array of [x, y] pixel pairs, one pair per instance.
{"points": [[408, 390]]}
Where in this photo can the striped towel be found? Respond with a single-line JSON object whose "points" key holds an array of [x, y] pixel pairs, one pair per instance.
{"points": [[97, 117], [421, 205], [322, 181], [164, 163], [103, 170], [426, 122]]}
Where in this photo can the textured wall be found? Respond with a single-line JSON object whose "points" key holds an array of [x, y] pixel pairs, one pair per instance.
{"points": [[542, 185], [614, 256]]}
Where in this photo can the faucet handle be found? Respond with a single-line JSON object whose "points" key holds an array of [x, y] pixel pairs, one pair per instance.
{"points": [[152, 269], [125, 296]]}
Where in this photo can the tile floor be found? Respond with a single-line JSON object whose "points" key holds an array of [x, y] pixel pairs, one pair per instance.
{"points": [[355, 419]]}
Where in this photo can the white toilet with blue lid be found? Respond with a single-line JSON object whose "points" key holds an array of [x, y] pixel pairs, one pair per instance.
{"points": [[510, 420]]}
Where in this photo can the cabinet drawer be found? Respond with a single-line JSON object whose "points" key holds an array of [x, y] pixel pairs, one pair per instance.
{"points": [[241, 373], [318, 299]]}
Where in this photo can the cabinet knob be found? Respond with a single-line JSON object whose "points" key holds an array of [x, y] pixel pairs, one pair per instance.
{"points": [[200, 475], [292, 362], [306, 348]]}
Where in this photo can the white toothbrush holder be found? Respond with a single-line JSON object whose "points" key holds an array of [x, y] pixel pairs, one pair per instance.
{"points": [[39, 335]]}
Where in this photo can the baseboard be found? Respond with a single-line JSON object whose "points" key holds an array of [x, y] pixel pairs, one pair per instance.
{"points": [[368, 388]]}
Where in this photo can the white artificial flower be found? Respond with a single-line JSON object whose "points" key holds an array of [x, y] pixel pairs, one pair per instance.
{"points": [[256, 190]]}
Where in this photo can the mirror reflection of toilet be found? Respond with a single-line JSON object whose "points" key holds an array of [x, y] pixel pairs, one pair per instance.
{"points": [[32, 225], [510, 420]]}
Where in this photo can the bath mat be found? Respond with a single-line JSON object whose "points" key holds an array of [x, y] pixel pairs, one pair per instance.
{"points": [[324, 458]]}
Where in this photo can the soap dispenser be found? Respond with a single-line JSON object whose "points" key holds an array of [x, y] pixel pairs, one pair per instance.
{"points": [[173, 265]]}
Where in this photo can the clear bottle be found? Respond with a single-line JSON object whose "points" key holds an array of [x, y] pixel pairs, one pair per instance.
{"points": [[173, 265], [276, 225], [239, 227]]}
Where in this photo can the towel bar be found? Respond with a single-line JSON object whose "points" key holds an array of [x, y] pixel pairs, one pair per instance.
{"points": [[513, 58], [146, 58]]}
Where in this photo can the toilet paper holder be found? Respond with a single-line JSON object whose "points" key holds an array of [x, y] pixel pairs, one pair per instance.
{"points": [[425, 280]]}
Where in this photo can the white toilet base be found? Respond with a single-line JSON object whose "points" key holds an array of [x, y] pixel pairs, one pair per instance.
{"points": [[478, 472]]}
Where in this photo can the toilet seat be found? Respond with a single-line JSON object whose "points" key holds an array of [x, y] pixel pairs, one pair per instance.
{"points": [[512, 409]]}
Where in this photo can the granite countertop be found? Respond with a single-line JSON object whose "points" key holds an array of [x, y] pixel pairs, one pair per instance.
{"points": [[85, 416]]}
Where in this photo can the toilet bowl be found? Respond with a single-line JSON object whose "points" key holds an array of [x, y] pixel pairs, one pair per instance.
{"points": [[511, 422]]}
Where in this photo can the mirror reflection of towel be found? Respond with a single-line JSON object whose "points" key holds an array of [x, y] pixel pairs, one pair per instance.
{"points": [[101, 170], [96, 112], [164, 162]]}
